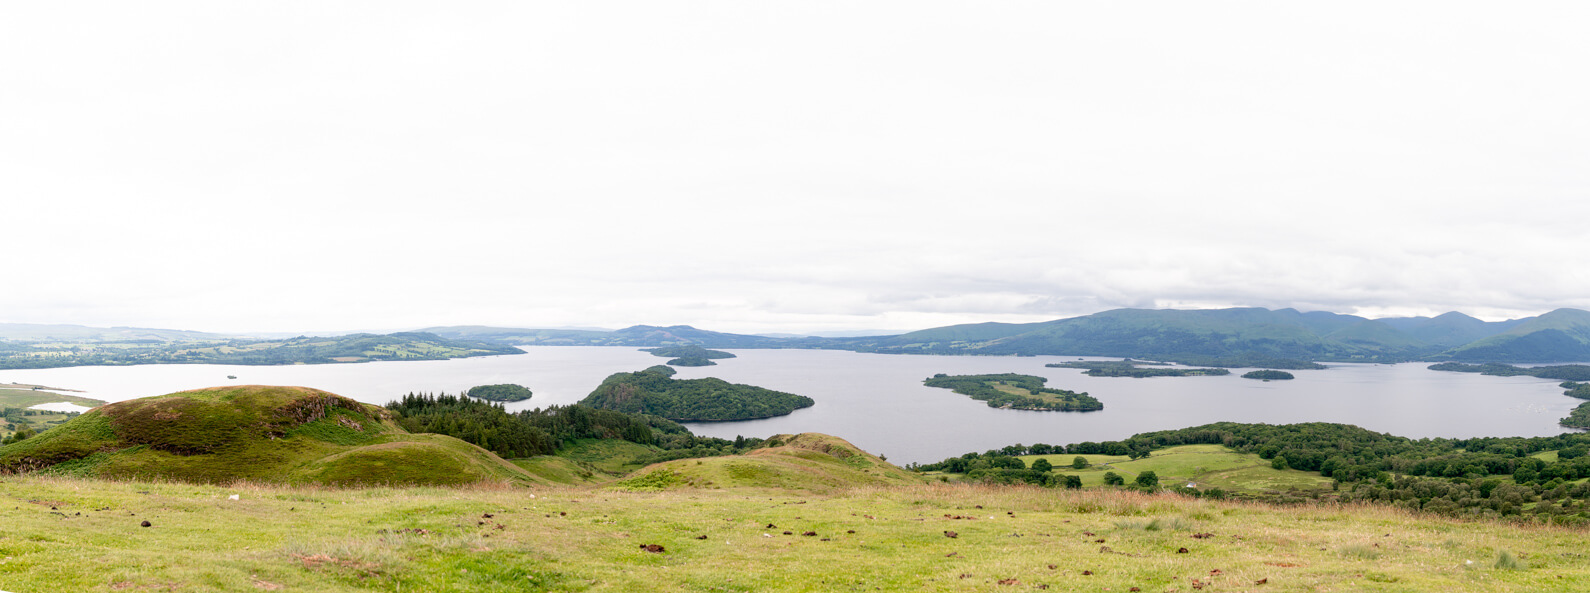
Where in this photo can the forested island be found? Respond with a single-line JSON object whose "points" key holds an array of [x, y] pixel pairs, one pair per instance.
{"points": [[654, 391], [505, 392], [689, 355], [690, 361], [1131, 368], [1268, 375], [1014, 391], [688, 351]]}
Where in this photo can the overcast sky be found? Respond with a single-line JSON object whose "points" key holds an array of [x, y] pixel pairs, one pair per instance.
{"points": [[786, 166]]}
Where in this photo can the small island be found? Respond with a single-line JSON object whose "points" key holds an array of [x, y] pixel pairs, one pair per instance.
{"points": [[1268, 375], [689, 355], [506, 392], [690, 361], [1130, 368], [1016, 392], [654, 391], [687, 351]]}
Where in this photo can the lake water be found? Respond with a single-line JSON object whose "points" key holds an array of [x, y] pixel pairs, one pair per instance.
{"points": [[878, 402]]}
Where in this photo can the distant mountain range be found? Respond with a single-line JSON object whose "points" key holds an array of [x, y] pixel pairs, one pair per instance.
{"points": [[1247, 337], [39, 332], [1224, 337]]}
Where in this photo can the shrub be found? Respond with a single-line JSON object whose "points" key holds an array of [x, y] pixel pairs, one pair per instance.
{"points": [[1148, 479]]}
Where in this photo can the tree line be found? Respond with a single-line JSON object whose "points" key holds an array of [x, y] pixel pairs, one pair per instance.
{"points": [[1501, 476], [545, 431]]}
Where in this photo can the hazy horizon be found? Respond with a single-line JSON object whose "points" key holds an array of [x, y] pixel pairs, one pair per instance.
{"points": [[828, 333]]}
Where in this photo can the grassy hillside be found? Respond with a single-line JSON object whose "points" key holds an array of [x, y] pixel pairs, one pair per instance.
{"points": [[1559, 336], [278, 538], [273, 434], [806, 462], [1449, 330], [1220, 337]]}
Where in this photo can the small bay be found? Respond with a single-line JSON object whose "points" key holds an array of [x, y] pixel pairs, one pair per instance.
{"points": [[878, 402]]}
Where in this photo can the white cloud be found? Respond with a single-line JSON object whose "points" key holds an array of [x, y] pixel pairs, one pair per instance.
{"points": [[786, 167]]}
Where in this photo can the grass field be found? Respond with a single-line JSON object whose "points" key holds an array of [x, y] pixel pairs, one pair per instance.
{"points": [[587, 461], [867, 539], [1207, 466], [1053, 398]]}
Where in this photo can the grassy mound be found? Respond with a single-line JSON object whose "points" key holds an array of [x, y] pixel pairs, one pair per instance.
{"points": [[263, 433], [804, 462]]}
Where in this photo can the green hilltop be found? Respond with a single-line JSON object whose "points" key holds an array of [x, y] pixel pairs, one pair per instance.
{"points": [[294, 435]]}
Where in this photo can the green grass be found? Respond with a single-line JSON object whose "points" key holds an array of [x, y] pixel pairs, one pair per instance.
{"points": [[552, 469], [271, 434], [802, 463], [876, 538], [614, 457], [1209, 466]]}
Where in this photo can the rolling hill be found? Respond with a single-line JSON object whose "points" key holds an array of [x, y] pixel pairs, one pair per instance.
{"points": [[1236, 337], [1562, 335], [293, 435], [1257, 337], [193, 350]]}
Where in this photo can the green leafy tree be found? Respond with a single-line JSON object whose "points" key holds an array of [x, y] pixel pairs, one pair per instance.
{"points": [[1042, 465], [1079, 462], [1113, 479], [1073, 482], [1148, 480]]}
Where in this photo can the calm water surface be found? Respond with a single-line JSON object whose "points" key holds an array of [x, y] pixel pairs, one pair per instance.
{"points": [[878, 402]]}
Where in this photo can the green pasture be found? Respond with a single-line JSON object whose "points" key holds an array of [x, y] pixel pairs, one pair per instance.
{"points": [[1207, 466]]}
